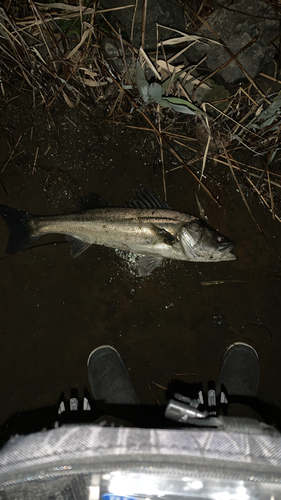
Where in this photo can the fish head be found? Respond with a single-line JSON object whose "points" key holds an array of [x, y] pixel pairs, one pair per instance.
{"points": [[203, 243]]}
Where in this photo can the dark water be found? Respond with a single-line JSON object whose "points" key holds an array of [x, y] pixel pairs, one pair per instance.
{"points": [[55, 310]]}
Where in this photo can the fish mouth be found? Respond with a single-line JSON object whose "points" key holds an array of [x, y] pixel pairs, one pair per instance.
{"points": [[226, 247]]}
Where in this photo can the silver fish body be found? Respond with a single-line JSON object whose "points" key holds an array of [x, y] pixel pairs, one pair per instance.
{"points": [[146, 226]]}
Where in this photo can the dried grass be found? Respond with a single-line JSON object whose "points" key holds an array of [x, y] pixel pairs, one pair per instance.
{"points": [[55, 51]]}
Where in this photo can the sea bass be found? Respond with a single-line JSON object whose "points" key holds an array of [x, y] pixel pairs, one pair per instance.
{"points": [[146, 226]]}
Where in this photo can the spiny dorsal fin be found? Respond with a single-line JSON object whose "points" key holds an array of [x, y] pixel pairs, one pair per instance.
{"points": [[145, 199], [93, 200]]}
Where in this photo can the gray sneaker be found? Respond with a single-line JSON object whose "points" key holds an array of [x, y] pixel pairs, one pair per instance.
{"points": [[240, 371], [108, 377]]}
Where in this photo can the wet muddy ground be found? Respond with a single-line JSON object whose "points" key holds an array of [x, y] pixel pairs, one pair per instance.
{"points": [[55, 310]]}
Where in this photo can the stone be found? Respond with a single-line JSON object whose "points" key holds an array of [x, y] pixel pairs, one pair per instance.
{"points": [[165, 12], [237, 26]]}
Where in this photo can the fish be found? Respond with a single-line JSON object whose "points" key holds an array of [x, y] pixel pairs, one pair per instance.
{"points": [[146, 226]]}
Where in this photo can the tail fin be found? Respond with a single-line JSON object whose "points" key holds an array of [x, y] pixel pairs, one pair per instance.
{"points": [[19, 225]]}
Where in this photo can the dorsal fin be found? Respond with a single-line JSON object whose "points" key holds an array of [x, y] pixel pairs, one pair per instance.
{"points": [[93, 200], [145, 199]]}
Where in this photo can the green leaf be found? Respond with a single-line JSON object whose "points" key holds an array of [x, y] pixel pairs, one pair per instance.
{"points": [[142, 83], [269, 121], [272, 108], [181, 105], [155, 92], [272, 156]]}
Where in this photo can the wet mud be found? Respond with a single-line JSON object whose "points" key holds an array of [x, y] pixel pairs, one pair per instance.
{"points": [[175, 323]]}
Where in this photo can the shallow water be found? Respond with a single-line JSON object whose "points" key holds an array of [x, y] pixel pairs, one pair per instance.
{"points": [[56, 310]]}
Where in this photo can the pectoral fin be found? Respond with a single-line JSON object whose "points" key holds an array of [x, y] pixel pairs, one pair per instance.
{"points": [[77, 246], [147, 263], [165, 236]]}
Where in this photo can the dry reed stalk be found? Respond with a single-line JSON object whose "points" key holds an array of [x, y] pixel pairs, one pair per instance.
{"points": [[249, 97], [162, 387], [170, 60], [193, 67], [206, 123], [184, 145], [11, 154], [129, 126], [270, 77], [143, 54], [153, 395], [174, 135], [240, 189], [114, 106], [270, 192], [246, 171], [161, 155], [38, 17], [263, 200], [184, 374], [124, 57], [232, 119], [133, 21], [144, 10], [78, 9], [74, 12], [92, 31], [70, 121], [222, 282], [35, 161]]}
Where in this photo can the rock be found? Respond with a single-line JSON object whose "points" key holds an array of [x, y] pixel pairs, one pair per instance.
{"points": [[165, 12], [245, 20]]}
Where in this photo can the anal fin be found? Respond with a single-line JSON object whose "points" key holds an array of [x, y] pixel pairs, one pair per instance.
{"points": [[147, 263], [77, 246]]}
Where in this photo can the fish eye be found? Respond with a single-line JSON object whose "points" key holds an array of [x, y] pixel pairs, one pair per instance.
{"points": [[220, 238]]}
